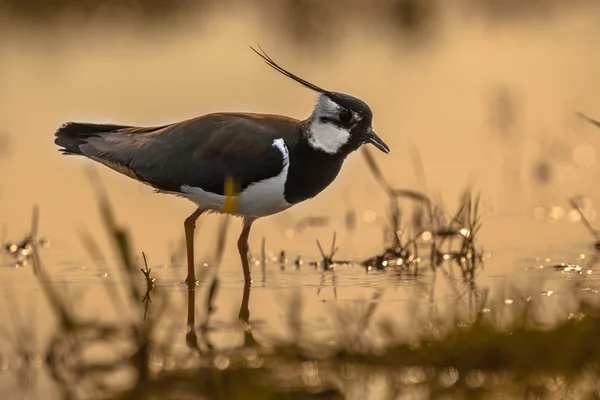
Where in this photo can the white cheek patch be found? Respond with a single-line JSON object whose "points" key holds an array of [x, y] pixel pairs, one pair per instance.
{"points": [[327, 136]]}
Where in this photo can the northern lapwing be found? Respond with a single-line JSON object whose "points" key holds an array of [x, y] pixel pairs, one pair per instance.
{"points": [[265, 163]]}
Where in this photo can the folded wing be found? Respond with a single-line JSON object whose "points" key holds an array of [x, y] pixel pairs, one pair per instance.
{"points": [[201, 152]]}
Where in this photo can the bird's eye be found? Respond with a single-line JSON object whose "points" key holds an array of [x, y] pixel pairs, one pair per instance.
{"points": [[345, 116]]}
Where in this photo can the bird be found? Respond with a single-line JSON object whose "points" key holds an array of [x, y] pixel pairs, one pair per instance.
{"points": [[249, 165]]}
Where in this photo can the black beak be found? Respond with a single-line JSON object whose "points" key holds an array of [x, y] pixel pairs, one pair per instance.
{"points": [[371, 137]]}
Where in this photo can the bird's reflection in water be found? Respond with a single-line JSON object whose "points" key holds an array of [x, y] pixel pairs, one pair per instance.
{"points": [[244, 317], [197, 338]]}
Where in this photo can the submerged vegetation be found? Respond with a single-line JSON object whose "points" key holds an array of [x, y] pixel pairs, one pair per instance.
{"points": [[484, 346], [449, 239]]}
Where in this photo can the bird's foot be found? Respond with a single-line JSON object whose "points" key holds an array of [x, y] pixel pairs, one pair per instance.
{"points": [[191, 283]]}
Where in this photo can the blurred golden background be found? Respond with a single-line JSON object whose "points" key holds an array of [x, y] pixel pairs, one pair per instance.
{"points": [[464, 92]]}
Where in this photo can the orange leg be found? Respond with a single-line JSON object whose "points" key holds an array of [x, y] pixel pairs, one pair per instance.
{"points": [[243, 248], [190, 226]]}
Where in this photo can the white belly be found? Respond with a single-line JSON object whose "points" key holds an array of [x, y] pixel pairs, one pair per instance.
{"points": [[259, 199]]}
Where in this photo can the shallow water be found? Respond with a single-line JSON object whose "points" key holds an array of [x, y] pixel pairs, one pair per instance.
{"points": [[437, 99]]}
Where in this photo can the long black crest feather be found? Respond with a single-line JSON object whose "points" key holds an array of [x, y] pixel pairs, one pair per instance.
{"points": [[280, 69]]}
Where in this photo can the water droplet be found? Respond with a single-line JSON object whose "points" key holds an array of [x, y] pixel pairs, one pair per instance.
{"points": [[448, 377], [186, 363], [475, 378], [221, 362], [508, 301], [156, 363], [376, 383], [574, 216], [412, 375], [554, 383], [310, 374], [555, 214], [256, 362], [369, 216]]}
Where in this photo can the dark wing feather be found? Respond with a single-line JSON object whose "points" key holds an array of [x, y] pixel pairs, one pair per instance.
{"points": [[201, 152]]}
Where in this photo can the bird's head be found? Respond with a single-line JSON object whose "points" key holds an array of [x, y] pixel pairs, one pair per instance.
{"points": [[340, 123]]}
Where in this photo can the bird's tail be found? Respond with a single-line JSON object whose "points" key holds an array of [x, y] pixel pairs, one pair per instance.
{"points": [[71, 135]]}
